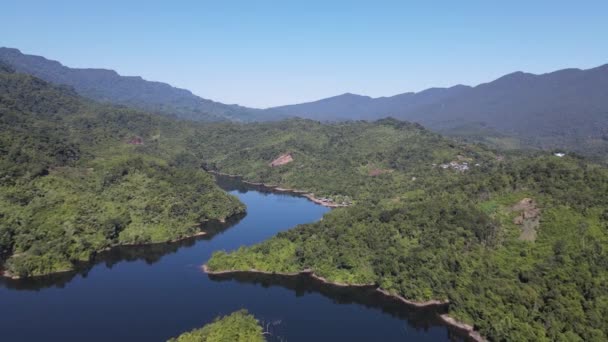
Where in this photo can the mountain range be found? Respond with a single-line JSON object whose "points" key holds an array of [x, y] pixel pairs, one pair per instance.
{"points": [[565, 109], [562, 109], [519, 103], [350, 106], [108, 86]]}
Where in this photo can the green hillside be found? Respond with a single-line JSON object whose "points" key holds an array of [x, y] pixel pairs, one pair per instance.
{"points": [[516, 243], [77, 177], [357, 161]]}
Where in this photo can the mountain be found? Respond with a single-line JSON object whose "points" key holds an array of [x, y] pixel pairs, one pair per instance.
{"points": [[562, 109], [526, 104], [565, 109], [358, 107], [133, 91]]}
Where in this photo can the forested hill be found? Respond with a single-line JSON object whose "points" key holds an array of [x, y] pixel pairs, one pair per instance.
{"points": [[516, 243], [108, 86], [77, 177], [348, 161], [562, 109]]}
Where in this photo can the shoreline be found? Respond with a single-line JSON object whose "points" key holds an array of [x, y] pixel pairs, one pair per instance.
{"points": [[445, 318], [7, 275], [310, 196], [132, 244], [469, 329]]}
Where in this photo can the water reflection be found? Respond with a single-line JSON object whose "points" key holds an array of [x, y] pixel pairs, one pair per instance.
{"points": [[151, 254], [131, 301], [233, 183], [415, 317]]}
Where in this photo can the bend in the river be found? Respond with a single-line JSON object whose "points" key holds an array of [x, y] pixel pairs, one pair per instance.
{"points": [[150, 293]]}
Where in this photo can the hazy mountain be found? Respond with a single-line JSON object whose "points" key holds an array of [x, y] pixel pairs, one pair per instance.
{"points": [[108, 86], [562, 109], [341, 107], [357, 107]]}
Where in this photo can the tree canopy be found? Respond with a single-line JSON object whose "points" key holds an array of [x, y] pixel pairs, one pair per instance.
{"points": [[240, 326]]}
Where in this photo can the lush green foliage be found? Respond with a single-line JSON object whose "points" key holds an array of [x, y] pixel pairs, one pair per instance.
{"points": [[71, 184], [592, 143], [239, 326], [330, 159], [446, 234]]}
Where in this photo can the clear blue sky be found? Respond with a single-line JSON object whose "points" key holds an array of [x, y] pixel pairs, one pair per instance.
{"points": [[265, 53]]}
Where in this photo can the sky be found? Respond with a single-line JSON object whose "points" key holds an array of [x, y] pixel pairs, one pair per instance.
{"points": [[268, 53]]}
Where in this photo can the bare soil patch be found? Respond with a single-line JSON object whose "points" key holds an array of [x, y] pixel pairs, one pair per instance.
{"points": [[283, 159], [528, 218]]}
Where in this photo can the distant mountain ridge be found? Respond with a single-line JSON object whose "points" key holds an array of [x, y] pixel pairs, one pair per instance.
{"points": [[359, 107], [562, 109], [108, 86], [579, 97], [518, 95]]}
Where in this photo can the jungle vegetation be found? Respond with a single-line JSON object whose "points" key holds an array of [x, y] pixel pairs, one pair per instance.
{"points": [[77, 177], [430, 218], [352, 160], [240, 326], [427, 229]]}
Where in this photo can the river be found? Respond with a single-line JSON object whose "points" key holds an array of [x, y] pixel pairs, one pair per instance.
{"points": [[155, 292]]}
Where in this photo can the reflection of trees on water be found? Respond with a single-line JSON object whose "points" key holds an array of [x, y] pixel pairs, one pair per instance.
{"points": [[415, 318], [149, 253], [231, 183]]}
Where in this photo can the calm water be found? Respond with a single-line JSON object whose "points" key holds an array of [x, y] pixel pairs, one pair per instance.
{"points": [[156, 292]]}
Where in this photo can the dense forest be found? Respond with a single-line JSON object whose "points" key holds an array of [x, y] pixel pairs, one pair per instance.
{"points": [[516, 243], [240, 326], [78, 177], [352, 161]]}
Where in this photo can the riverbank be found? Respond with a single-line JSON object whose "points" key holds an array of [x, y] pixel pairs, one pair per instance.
{"points": [[310, 196], [289, 299], [6, 274], [445, 318], [469, 329], [306, 272]]}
